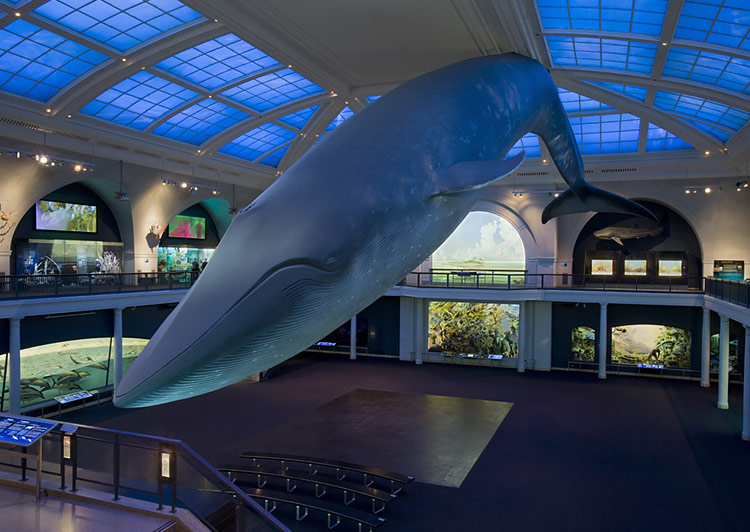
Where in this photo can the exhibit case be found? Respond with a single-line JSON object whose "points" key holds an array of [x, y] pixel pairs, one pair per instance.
{"points": [[181, 258], [42, 256]]}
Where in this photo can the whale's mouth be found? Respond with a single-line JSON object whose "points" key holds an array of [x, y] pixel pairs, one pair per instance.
{"points": [[276, 280]]}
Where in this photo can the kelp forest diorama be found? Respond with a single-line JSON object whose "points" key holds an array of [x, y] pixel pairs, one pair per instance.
{"points": [[651, 346]]}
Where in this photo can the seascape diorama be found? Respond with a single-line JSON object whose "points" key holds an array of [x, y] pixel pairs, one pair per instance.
{"points": [[651, 346], [473, 330], [583, 344]]}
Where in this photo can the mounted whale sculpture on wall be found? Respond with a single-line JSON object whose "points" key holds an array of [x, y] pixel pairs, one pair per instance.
{"points": [[355, 215]]}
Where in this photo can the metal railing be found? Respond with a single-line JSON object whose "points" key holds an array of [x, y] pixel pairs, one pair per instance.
{"points": [[737, 292], [163, 471]]}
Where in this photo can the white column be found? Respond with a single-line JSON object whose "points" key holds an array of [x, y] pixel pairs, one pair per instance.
{"points": [[603, 340], [521, 356], [418, 330], [118, 345], [746, 388], [706, 349], [353, 338], [14, 369], [723, 402]]}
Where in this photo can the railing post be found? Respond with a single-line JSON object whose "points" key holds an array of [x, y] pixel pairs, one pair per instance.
{"points": [[57, 281], [119, 282], [116, 467], [91, 283]]}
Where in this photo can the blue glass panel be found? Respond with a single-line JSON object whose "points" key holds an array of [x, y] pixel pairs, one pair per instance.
{"points": [[138, 101], [615, 133], [719, 134], [120, 24], [198, 122], [703, 110], [626, 16], [217, 62], [258, 141], [574, 102], [37, 63], [631, 91], [529, 143], [725, 71], [300, 118], [593, 52], [272, 90], [343, 115], [274, 158], [659, 139], [372, 98], [726, 23]]}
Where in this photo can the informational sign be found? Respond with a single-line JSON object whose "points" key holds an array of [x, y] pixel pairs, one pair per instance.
{"points": [[23, 431], [64, 399]]}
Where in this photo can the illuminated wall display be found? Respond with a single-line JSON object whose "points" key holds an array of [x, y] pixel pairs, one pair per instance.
{"points": [[602, 266], [583, 344], [651, 346], [729, 269], [635, 266], [187, 227], [62, 216], [670, 268]]}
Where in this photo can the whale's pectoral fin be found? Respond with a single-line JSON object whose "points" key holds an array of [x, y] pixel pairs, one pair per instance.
{"points": [[617, 239], [589, 198], [471, 175]]}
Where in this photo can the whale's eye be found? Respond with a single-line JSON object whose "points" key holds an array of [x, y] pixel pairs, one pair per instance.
{"points": [[331, 260]]}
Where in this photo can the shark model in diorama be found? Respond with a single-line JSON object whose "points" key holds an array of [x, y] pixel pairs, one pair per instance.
{"points": [[354, 216]]}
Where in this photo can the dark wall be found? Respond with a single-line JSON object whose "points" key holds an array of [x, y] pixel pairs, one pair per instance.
{"points": [[212, 234], [40, 330], [383, 325], [142, 322], [565, 316]]}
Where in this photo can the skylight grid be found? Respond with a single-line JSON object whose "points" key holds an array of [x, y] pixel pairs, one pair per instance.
{"points": [[37, 63], [528, 143], [659, 139], [299, 119], [703, 110], [258, 141], [617, 133], [631, 91], [273, 89], [274, 158], [594, 52], [725, 71], [199, 122], [139, 100], [217, 62], [645, 17], [722, 22], [574, 102], [715, 132], [340, 118], [120, 24]]}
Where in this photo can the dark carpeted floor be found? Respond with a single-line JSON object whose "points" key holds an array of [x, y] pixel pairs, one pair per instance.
{"points": [[573, 452]]}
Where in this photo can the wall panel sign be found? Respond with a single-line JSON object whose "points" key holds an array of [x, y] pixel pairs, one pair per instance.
{"points": [[23, 431], [729, 269], [64, 399]]}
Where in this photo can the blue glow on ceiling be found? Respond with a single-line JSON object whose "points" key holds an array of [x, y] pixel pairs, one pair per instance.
{"points": [[709, 67], [631, 91], [616, 133], [138, 101], [275, 157], [530, 143], [217, 62], [715, 132], [641, 16], [258, 141], [199, 122], [120, 24], [272, 90], [300, 118], [574, 102], [725, 23], [37, 63], [658, 139], [340, 118], [593, 52], [704, 110], [373, 98]]}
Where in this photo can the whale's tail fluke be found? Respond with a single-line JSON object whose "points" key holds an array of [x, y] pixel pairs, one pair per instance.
{"points": [[590, 198]]}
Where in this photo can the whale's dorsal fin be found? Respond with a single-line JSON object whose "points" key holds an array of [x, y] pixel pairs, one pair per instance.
{"points": [[471, 175]]}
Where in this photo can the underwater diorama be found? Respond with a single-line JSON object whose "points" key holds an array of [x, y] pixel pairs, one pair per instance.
{"points": [[475, 329], [583, 344], [733, 355], [651, 346]]}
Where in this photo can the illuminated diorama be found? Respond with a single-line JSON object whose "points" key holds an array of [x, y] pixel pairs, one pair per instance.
{"points": [[583, 344], [172, 258], [43, 256], [651, 346]]}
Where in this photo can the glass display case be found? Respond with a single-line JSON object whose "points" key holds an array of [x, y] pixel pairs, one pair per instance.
{"points": [[181, 258], [38, 256]]}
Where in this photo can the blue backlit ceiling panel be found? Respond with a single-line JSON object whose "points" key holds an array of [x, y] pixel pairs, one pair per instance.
{"points": [[340, 118], [576, 103], [659, 139], [217, 62], [631, 91], [199, 122], [258, 141], [715, 132], [703, 110], [722, 22], [593, 52], [300, 118], [274, 158], [529, 143], [271, 90], [138, 101], [642, 16], [37, 63], [615, 133], [722, 70], [120, 24]]}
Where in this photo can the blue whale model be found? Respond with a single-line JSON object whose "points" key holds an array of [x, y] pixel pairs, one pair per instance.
{"points": [[352, 217]]}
